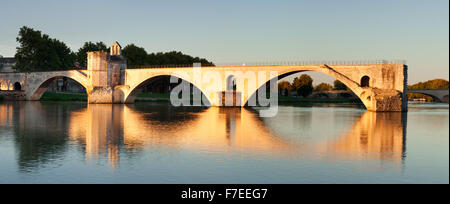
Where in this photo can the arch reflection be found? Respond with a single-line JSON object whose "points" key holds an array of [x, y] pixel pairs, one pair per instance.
{"points": [[45, 133], [106, 130], [111, 129], [377, 136]]}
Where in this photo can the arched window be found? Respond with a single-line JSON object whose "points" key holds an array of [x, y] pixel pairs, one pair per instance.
{"points": [[365, 81], [231, 83], [17, 86]]}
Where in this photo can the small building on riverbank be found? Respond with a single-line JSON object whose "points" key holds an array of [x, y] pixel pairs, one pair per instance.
{"points": [[7, 64]]}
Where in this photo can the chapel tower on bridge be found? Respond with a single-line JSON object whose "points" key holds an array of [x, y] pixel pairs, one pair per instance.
{"points": [[106, 71]]}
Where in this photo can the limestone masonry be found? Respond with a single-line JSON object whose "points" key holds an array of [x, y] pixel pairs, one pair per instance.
{"points": [[381, 87]]}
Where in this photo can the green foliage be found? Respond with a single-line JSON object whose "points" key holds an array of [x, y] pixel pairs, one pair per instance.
{"points": [[283, 100], [305, 90], [135, 55], [155, 95], [431, 84], [175, 58], [338, 85], [49, 96], [303, 85], [323, 87], [296, 84], [284, 87], [39, 52], [89, 47], [302, 80]]}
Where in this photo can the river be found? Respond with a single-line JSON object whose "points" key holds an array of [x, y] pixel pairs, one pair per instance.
{"points": [[51, 142]]}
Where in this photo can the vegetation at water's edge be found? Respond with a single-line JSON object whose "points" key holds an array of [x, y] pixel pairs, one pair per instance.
{"points": [[431, 84], [165, 97], [154, 95], [291, 100], [303, 85], [48, 96]]}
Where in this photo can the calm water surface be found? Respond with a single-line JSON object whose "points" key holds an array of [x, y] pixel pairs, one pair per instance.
{"points": [[156, 143]]}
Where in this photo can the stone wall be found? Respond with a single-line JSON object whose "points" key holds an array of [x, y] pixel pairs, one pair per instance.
{"points": [[101, 95], [108, 81], [13, 95]]}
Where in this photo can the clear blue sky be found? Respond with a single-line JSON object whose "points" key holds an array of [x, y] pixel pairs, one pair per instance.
{"points": [[249, 30]]}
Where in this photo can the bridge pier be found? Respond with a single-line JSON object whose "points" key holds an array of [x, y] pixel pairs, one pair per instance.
{"points": [[106, 73], [383, 100]]}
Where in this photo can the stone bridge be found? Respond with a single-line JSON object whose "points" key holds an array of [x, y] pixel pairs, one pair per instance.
{"points": [[440, 94], [381, 87]]}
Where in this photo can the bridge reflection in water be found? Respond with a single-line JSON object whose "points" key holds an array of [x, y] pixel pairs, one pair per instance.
{"points": [[379, 136], [106, 131]]}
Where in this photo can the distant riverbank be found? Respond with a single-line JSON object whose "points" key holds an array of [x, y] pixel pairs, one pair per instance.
{"points": [[148, 97], [82, 97], [293, 100], [49, 96]]}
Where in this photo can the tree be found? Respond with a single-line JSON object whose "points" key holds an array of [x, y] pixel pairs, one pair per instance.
{"points": [[175, 58], [89, 47], [135, 55], [431, 84], [305, 90], [323, 87], [338, 85], [284, 87], [303, 85], [39, 52]]}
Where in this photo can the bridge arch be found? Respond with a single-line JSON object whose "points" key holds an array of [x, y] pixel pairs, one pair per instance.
{"points": [[38, 88], [363, 93], [139, 87], [438, 95]]}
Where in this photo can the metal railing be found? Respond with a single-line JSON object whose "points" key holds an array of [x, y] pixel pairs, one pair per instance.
{"points": [[165, 66], [316, 62], [280, 63]]}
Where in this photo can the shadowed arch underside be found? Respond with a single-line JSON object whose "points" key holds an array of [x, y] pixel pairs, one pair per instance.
{"points": [[439, 95], [374, 99], [353, 86], [385, 93], [42, 88], [133, 94]]}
